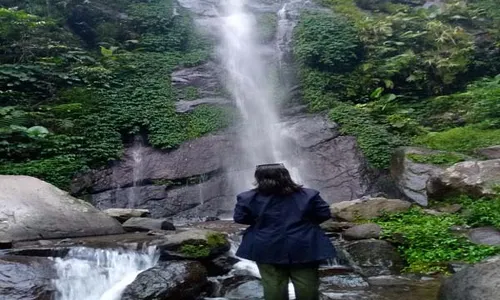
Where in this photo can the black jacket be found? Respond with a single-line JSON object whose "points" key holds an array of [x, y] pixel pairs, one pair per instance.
{"points": [[283, 229]]}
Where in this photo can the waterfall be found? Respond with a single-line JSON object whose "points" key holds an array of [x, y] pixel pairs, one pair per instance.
{"points": [[251, 86], [137, 171], [99, 274]]}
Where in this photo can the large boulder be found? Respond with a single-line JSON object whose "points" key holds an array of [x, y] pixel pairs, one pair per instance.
{"points": [[26, 278], [367, 208], [475, 178], [485, 236], [169, 281], [147, 224], [32, 209], [478, 282], [374, 257], [492, 152], [411, 177]]}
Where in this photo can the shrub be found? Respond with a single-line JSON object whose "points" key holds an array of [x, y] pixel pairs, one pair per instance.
{"points": [[327, 41], [445, 159]]}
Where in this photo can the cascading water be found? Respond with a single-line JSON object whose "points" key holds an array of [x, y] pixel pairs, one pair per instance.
{"points": [[99, 274], [137, 170], [250, 83]]}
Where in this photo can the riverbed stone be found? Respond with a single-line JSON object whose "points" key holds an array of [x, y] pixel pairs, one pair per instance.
{"points": [[362, 232], [485, 236], [32, 209], [367, 208], [147, 224], [26, 278], [184, 280], [478, 282], [374, 257], [492, 152]]}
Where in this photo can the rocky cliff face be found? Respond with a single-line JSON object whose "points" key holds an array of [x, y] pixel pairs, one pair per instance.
{"points": [[198, 178]]}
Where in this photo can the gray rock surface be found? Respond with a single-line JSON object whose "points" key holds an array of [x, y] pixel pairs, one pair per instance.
{"points": [[123, 214], [478, 282], [168, 281], [485, 236], [374, 257], [147, 224], [367, 208], [26, 278], [411, 177], [184, 106], [32, 209], [475, 178], [362, 232], [492, 152]]}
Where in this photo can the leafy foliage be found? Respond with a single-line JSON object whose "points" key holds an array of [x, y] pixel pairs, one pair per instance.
{"points": [[374, 138], [326, 41], [446, 159], [427, 243]]}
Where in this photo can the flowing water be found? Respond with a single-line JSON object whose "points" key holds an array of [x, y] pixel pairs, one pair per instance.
{"points": [[137, 171], [249, 79], [99, 274]]}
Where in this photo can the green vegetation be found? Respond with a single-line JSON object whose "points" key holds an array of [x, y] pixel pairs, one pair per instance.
{"points": [[67, 107], [427, 243], [404, 75], [445, 159], [203, 249]]}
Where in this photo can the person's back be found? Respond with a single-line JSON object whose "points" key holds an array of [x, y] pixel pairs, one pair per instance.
{"points": [[284, 236]]}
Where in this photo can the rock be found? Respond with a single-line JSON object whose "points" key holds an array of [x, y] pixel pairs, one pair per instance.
{"points": [[221, 265], [26, 278], [205, 78], [388, 280], [363, 231], [492, 152], [432, 212], [123, 214], [147, 224], [374, 257], [32, 209], [455, 267], [6, 244], [248, 290], [485, 236], [450, 209], [478, 282], [192, 244], [411, 177], [184, 106], [168, 281], [344, 282], [475, 178], [332, 226], [367, 208]]}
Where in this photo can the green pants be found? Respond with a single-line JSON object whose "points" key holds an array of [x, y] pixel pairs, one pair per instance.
{"points": [[275, 280]]}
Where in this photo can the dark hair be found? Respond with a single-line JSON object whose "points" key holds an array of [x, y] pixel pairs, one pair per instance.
{"points": [[274, 179]]}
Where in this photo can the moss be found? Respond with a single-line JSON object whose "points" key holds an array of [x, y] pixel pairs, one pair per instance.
{"points": [[444, 159], [201, 248]]}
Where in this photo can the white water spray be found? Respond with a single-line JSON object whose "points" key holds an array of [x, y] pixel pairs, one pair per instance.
{"points": [[99, 274], [249, 81]]}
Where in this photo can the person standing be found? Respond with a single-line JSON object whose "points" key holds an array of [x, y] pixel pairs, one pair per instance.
{"points": [[284, 237]]}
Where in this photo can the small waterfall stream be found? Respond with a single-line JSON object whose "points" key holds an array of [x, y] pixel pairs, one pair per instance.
{"points": [[99, 274]]}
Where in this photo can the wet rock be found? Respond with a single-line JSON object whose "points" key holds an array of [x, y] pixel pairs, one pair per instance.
{"points": [[221, 265], [374, 257], [363, 231], [247, 290], [192, 244], [367, 208], [478, 282], [485, 236], [492, 152], [433, 212], [169, 281], [311, 130], [205, 78], [388, 280], [456, 267], [147, 224], [475, 178], [411, 178], [338, 295], [26, 278], [123, 214], [344, 282], [32, 209]]}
